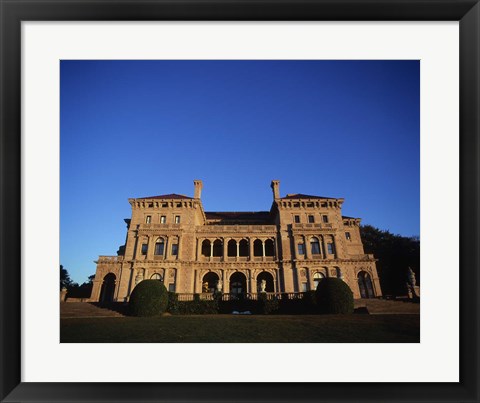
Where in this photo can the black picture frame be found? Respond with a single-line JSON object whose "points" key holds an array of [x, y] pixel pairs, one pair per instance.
{"points": [[13, 12]]}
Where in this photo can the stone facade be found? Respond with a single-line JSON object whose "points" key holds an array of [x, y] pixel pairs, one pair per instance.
{"points": [[291, 247]]}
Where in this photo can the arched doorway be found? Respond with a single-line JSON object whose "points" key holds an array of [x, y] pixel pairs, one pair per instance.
{"points": [[209, 282], [238, 283], [365, 285], [269, 286], [108, 288]]}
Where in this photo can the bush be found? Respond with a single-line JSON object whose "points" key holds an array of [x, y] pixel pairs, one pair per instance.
{"points": [[149, 298], [173, 303], [334, 296], [266, 306]]}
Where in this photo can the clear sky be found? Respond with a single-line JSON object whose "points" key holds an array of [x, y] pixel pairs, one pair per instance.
{"points": [[346, 129]]}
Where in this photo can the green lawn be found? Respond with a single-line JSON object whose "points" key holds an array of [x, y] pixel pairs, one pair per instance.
{"points": [[244, 329]]}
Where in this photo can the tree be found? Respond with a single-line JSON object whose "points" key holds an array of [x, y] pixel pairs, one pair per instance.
{"points": [[395, 254], [65, 280]]}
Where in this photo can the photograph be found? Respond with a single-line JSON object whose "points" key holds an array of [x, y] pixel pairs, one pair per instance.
{"points": [[239, 201]]}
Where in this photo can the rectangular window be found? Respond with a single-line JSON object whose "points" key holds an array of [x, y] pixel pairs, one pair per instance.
{"points": [[296, 219], [177, 219], [330, 248], [144, 249], [174, 249], [304, 287], [325, 218], [311, 219], [148, 219], [347, 235], [301, 249], [171, 287], [179, 204], [309, 204], [163, 219], [164, 204]]}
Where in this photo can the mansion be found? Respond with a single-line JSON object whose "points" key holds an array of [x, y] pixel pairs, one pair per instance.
{"points": [[288, 249]]}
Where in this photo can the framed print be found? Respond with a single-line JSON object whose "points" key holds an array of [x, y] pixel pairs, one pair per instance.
{"points": [[58, 138]]}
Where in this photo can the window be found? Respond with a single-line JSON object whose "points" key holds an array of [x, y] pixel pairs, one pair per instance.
{"points": [[330, 248], [144, 249], [304, 287], [347, 235], [171, 287], [174, 249], [309, 204], [148, 219], [296, 219], [325, 218], [163, 219], [179, 204], [301, 249], [159, 247], [315, 246], [311, 219], [164, 204], [177, 219]]}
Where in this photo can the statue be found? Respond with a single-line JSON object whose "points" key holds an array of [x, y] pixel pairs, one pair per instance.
{"points": [[412, 281], [263, 285], [219, 285], [205, 286], [412, 287]]}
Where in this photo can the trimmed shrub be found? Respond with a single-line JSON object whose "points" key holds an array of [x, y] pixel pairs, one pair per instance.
{"points": [[266, 306], [334, 296], [173, 304], [149, 298]]}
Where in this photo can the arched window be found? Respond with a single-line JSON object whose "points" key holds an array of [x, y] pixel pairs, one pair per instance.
{"points": [[365, 285], [159, 247], [238, 283], [269, 248], [217, 248], [206, 248], [156, 276], [243, 247], [257, 248], [232, 248], [315, 245], [317, 277]]}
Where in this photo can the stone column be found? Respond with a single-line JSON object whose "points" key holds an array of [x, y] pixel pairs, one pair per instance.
{"points": [[253, 285], [263, 249], [250, 246], [238, 249], [199, 249], [150, 243], [308, 252], [324, 247], [211, 249], [145, 275], [138, 251], [97, 286], [225, 251], [168, 252]]}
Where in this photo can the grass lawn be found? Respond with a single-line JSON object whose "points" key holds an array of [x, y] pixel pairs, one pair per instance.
{"points": [[244, 329]]}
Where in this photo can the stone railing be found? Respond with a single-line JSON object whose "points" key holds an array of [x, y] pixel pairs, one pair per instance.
{"points": [[159, 226], [250, 296]]}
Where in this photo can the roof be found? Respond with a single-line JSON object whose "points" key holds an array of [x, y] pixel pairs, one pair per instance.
{"points": [[238, 215], [350, 218], [169, 196], [302, 196]]}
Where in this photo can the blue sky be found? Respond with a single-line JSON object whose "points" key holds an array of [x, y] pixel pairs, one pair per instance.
{"points": [[346, 129]]}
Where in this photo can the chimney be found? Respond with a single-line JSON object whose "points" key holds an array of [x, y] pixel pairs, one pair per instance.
{"points": [[198, 188], [275, 185]]}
